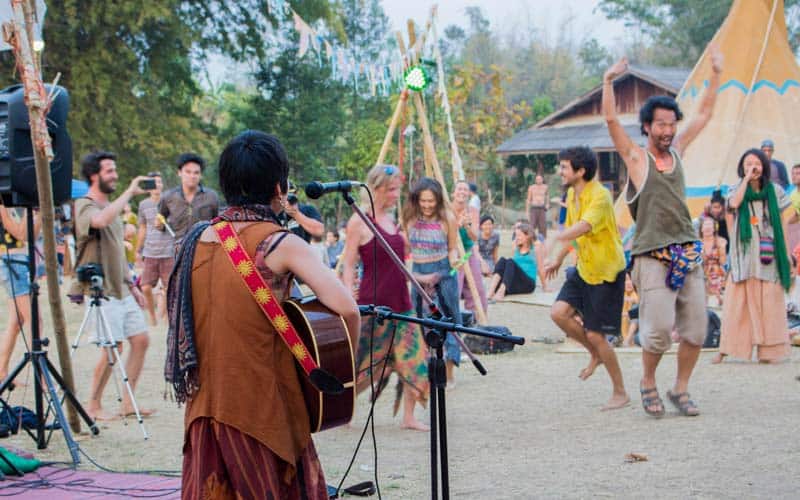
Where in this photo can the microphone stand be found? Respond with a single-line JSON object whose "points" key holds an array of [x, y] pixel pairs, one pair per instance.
{"points": [[435, 336]]}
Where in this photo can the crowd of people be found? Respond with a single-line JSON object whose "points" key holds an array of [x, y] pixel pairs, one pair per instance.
{"points": [[651, 286]]}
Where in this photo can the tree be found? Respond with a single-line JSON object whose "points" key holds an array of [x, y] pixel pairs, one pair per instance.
{"points": [[130, 69], [595, 59], [483, 118], [681, 29]]}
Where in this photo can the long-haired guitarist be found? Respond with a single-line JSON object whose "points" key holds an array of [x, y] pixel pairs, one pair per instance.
{"points": [[246, 426]]}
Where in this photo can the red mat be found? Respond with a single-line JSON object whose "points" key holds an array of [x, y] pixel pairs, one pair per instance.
{"points": [[56, 483]]}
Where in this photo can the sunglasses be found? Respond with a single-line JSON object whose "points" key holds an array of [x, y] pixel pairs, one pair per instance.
{"points": [[390, 170]]}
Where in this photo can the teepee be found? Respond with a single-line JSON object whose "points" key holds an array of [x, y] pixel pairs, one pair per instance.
{"points": [[758, 98]]}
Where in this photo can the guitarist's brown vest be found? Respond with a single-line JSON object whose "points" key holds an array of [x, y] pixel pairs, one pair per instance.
{"points": [[248, 378]]}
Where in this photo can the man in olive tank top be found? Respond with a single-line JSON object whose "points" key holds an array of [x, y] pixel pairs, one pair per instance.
{"points": [[667, 258]]}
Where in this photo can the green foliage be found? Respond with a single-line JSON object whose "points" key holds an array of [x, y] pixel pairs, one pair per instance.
{"points": [[681, 29], [542, 107], [130, 68]]}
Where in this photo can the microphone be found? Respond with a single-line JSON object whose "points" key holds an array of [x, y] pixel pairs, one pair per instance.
{"points": [[316, 189]]}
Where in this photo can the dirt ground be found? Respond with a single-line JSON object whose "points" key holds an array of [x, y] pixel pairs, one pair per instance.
{"points": [[529, 429]]}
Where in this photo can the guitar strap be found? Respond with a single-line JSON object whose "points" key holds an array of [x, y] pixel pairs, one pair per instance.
{"points": [[262, 293]]}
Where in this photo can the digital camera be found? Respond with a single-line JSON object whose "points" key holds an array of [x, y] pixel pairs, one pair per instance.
{"points": [[88, 272]]}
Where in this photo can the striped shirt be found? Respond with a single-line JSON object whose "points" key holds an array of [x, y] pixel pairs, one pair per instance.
{"points": [[428, 241]]}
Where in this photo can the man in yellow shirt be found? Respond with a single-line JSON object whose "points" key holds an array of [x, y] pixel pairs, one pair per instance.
{"points": [[595, 288]]}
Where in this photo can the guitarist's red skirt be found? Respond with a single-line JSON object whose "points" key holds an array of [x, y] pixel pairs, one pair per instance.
{"points": [[213, 449]]}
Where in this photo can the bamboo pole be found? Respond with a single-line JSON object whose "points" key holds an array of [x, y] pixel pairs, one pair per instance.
{"points": [[398, 112], [432, 168], [437, 174], [19, 34]]}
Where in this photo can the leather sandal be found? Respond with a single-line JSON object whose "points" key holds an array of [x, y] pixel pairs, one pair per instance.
{"points": [[686, 407], [648, 401]]}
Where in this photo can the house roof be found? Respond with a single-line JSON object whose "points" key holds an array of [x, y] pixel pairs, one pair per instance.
{"points": [[671, 79], [554, 139], [542, 138]]}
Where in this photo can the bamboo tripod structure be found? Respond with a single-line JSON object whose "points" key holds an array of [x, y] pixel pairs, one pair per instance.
{"points": [[432, 168]]}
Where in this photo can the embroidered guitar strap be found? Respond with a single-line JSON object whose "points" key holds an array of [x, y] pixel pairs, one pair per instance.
{"points": [[261, 292]]}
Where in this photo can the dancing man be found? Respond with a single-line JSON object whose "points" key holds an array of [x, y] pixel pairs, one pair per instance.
{"points": [[667, 268], [595, 288]]}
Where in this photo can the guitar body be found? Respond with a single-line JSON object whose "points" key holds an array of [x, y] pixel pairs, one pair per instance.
{"points": [[324, 334]]}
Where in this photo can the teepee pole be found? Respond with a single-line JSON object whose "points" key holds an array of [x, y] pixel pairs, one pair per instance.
{"points": [[738, 123], [398, 112]]}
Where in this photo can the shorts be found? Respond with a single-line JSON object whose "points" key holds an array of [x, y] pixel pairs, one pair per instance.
{"points": [[156, 268], [600, 305], [15, 275], [123, 317], [662, 309]]}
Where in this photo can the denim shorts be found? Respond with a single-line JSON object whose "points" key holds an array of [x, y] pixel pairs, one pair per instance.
{"points": [[14, 274]]}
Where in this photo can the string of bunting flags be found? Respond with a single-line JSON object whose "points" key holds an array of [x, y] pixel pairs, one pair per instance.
{"points": [[377, 77]]}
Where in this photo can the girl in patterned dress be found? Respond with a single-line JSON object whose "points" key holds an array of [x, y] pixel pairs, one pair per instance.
{"points": [[713, 258], [432, 232]]}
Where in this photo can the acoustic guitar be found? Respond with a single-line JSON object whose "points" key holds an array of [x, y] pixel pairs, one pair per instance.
{"points": [[325, 335]]}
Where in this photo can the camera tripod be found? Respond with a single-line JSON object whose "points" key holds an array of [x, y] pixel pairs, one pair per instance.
{"points": [[105, 340], [43, 370]]}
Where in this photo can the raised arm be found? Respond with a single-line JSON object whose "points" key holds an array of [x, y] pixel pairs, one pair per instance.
{"points": [[107, 215], [706, 109], [631, 154], [736, 198]]}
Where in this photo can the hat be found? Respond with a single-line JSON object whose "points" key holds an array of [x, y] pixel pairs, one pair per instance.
{"points": [[767, 143]]}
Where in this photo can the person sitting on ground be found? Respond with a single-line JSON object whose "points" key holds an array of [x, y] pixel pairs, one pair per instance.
{"points": [[488, 245], [518, 274]]}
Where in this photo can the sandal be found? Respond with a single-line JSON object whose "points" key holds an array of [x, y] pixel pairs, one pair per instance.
{"points": [[686, 407], [648, 401]]}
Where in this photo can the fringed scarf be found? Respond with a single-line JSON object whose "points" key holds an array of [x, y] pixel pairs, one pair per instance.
{"points": [[180, 367], [745, 227]]}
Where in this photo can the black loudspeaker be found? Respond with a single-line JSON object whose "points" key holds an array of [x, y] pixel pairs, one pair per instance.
{"points": [[17, 170]]}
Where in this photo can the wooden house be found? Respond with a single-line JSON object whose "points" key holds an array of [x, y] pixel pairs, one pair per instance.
{"points": [[581, 121]]}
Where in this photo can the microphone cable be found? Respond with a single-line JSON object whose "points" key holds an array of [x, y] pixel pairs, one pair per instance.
{"points": [[370, 422]]}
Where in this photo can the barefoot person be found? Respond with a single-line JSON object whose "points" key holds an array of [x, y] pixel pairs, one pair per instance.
{"points": [[536, 205], [754, 311], [99, 232], [246, 427], [667, 267], [397, 346], [595, 288]]}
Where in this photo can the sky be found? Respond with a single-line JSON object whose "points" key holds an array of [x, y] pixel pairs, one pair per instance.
{"points": [[507, 15]]}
